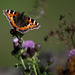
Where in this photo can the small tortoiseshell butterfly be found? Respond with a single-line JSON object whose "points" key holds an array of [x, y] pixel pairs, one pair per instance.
{"points": [[20, 22]]}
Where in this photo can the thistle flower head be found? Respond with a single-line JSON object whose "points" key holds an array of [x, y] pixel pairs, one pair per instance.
{"points": [[16, 45], [28, 44], [15, 42], [71, 55], [72, 52]]}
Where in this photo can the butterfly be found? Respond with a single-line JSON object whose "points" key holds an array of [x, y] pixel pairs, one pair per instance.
{"points": [[20, 22]]}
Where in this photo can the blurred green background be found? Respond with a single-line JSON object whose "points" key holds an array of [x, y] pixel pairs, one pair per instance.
{"points": [[53, 10]]}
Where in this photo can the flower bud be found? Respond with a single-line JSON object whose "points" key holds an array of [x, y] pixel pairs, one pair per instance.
{"points": [[16, 44], [24, 55], [50, 61], [37, 47], [31, 51]]}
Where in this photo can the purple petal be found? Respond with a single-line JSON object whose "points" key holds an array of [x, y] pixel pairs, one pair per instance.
{"points": [[72, 52], [15, 40], [28, 44]]}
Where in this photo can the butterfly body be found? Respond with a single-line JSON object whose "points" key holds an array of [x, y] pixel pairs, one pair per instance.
{"points": [[20, 22]]}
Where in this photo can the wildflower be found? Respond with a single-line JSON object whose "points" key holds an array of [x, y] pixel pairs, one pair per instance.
{"points": [[28, 44], [15, 42], [71, 61], [17, 46], [72, 53], [30, 47]]}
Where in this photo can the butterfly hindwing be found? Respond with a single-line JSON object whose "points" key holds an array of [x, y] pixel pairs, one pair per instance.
{"points": [[32, 24]]}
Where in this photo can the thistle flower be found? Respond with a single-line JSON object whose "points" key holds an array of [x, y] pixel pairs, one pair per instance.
{"points": [[71, 62], [28, 44], [30, 47], [15, 42], [16, 45], [72, 53]]}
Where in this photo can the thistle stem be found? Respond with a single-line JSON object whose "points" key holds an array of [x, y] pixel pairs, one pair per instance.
{"points": [[37, 68], [34, 69], [22, 62], [46, 68], [33, 59]]}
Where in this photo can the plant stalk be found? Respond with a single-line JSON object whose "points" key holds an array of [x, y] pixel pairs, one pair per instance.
{"points": [[37, 68], [22, 62]]}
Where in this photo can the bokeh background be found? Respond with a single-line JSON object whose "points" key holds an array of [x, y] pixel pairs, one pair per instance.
{"points": [[52, 9]]}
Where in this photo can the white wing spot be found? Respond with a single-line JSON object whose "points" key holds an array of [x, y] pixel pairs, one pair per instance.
{"points": [[9, 11], [6, 10], [34, 21], [37, 23]]}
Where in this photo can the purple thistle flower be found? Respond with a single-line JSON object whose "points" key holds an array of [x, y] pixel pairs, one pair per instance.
{"points": [[72, 52], [28, 44], [71, 55], [15, 42]]}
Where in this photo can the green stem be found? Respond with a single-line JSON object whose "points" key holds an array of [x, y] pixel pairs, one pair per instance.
{"points": [[22, 62], [37, 68], [33, 60], [34, 69], [46, 68]]}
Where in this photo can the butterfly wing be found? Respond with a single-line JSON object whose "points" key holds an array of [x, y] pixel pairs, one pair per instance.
{"points": [[10, 14], [32, 24]]}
